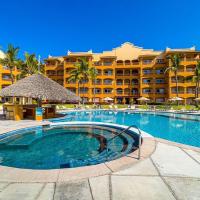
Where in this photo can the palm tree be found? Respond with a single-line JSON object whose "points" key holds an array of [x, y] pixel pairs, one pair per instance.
{"points": [[10, 60], [76, 75], [92, 75], [80, 73], [196, 79], [30, 65], [175, 64]]}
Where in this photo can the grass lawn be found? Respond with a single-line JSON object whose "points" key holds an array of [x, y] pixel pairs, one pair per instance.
{"points": [[159, 107]]}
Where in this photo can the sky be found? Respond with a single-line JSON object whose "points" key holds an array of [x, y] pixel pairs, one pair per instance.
{"points": [[52, 27]]}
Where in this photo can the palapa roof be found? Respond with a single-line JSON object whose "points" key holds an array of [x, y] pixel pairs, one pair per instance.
{"points": [[39, 87]]}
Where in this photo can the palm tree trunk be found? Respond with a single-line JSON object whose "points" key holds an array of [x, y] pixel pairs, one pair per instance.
{"points": [[176, 84], [79, 91], [196, 89], [94, 89], [11, 75], [176, 78]]}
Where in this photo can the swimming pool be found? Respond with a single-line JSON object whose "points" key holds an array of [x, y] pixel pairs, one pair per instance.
{"points": [[65, 146], [179, 128]]}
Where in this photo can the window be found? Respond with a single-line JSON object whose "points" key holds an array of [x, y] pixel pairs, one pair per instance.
{"points": [[160, 71], [135, 72], [108, 72], [97, 91], [160, 90], [160, 61], [146, 90], [147, 71], [108, 81], [97, 82], [6, 76], [72, 89], [107, 90], [127, 82], [119, 91], [120, 72], [146, 62], [83, 90], [160, 80], [107, 63], [99, 72], [134, 91], [146, 81], [84, 81], [119, 82]]}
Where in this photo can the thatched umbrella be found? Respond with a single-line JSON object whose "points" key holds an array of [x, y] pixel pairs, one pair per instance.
{"points": [[41, 88]]}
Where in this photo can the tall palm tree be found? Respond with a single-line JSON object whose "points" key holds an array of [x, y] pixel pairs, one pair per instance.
{"points": [[30, 65], [80, 73], [10, 60], [93, 75], [175, 65], [196, 79], [76, 75]]}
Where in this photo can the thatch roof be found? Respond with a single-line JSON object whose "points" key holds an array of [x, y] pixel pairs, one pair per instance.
{"points": [[39, 87]]}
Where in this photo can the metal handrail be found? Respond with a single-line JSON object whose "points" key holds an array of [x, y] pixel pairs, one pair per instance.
{"points": [[140, 138]]}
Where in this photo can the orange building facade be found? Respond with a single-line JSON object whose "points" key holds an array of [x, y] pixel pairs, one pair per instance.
{"points": [[128, 72]]}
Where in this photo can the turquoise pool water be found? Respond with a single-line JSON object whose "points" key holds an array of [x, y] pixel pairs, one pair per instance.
{"points": [[180, 128], [64, 146]]}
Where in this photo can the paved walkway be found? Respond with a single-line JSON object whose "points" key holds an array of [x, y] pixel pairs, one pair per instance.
{"points": [[171, 172]]}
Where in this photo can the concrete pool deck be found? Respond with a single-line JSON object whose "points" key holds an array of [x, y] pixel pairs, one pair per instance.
{"points": [[167, 170]]}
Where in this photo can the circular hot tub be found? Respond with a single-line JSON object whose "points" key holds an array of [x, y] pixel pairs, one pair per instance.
{"points": [[65, 146]]}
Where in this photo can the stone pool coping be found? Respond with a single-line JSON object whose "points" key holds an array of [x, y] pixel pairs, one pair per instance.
{"points": [[11, 174]]}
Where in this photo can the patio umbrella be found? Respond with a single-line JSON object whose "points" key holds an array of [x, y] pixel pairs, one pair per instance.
{"points": [[143, 99], [197, 99], [176, 99], [41, 88], [108, 99]]}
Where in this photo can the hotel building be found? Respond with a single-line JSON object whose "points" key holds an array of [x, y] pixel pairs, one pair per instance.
{"points": [[128, 72]]}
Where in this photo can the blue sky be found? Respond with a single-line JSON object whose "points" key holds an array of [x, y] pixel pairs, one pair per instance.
{"points": [[52, 27]]}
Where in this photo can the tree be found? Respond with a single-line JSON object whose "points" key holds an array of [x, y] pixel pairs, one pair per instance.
{"points": [[80, 73], [175, 65], [30, 65], [92, 75], [10, 60], [76, 75], [196, 79]]}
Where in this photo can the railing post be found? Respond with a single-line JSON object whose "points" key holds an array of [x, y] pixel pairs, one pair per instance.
{"points": [[139, 145]]}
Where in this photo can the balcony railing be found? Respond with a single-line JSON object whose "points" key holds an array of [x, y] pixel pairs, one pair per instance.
{"points": [[179, 92]]}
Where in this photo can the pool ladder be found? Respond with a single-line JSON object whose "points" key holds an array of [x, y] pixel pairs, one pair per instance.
{"points": [[126, 129]]}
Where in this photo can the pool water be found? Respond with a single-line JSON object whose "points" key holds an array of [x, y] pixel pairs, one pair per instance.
{"points": [[63, 146], [181, 128]]}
